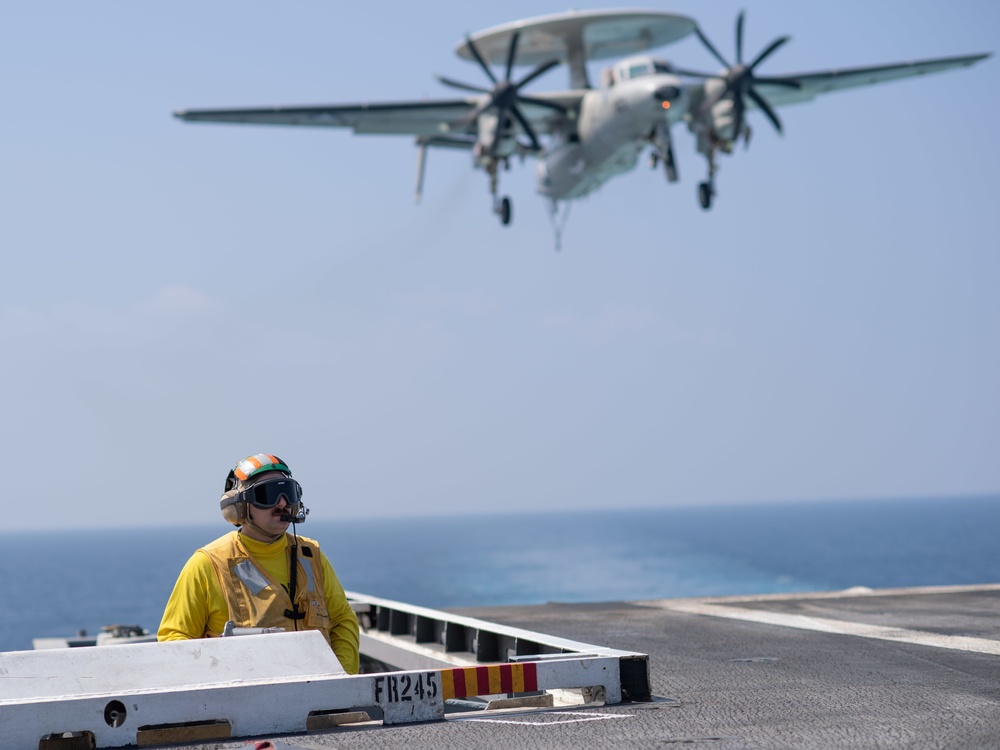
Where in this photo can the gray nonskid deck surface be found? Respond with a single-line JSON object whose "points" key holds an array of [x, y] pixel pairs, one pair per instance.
{"points": [[736, 683]]}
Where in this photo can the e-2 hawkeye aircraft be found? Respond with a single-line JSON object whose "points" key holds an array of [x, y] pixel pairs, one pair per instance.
{"points": [[583, 136]]}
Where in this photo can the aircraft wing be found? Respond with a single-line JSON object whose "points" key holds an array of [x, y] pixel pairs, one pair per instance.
{"points": [[430, 117], [835, 80]]}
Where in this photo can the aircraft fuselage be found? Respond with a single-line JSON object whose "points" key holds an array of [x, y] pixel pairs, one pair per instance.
{"points": [[615, 124]]}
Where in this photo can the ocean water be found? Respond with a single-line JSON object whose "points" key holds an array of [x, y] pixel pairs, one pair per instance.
{"points": [[57, 583]]}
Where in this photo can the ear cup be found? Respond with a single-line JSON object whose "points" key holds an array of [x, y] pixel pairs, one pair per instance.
{"points": [[232, 510]]}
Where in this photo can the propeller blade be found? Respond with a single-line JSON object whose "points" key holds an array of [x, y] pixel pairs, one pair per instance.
{"points": [[543, 68], [503, 97], [479, 58], [463, 86], [790, 83], [770, 48], [765, 108], [739, 107], [530, 131], [512, 53], [740, 81], [543, 103], [739, 38], [713, 50]]}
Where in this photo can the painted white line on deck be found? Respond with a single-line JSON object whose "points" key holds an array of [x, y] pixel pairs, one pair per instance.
{"points": [[532, 720], [838, 627]]}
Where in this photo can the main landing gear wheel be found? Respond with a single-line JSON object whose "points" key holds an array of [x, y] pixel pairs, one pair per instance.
{"points": [[503, 210], [705, 193]]}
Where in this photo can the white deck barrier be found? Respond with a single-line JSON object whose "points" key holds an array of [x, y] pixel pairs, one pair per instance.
{"points": [[410, 637], [188, 691]]}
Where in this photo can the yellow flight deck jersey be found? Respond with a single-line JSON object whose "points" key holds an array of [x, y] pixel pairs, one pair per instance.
{"points": [[241, 579]]}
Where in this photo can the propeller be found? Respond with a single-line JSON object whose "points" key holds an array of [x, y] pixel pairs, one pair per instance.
{"points": [[505, 95], [740, 79]]}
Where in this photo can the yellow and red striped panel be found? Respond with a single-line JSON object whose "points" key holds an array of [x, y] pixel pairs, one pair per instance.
{"points": [[490, 680]]}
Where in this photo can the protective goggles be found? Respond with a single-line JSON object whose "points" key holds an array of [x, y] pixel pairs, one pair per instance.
{"points": [[266, 494]]}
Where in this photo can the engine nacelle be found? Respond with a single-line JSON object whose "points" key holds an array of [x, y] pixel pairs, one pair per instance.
{"points": [[715, 129], [486, 126]]}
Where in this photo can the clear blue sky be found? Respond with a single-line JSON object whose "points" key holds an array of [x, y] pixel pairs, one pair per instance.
{"points": [[177, 296]]}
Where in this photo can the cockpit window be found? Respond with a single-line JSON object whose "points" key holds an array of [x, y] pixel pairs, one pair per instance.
{"points": [[629, 70], [639, 69]]}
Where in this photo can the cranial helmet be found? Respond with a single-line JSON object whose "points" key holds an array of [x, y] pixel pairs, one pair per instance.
{"points": [[236, 495]]}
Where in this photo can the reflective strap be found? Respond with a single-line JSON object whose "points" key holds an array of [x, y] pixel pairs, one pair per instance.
{"points": [[310, 583], [252, 578]]}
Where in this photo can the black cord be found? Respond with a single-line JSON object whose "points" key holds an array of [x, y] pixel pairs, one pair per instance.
{"points": [[294, 613]]}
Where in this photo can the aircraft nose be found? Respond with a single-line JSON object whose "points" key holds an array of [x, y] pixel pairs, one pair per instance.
{"points": [[666, 93]]}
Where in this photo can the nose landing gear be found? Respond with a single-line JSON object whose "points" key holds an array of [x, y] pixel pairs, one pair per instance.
{"points": [[663, 150]]}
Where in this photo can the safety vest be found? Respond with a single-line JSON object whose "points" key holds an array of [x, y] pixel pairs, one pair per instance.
{"points": [[256, 600]]}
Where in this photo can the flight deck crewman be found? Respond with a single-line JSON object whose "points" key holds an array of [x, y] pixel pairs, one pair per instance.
{"points": [[260, 576]]}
